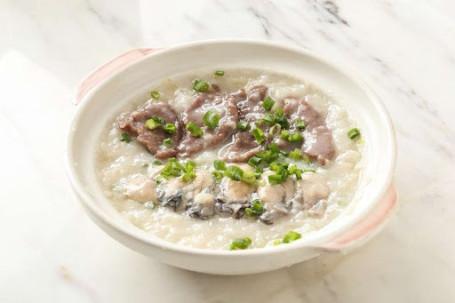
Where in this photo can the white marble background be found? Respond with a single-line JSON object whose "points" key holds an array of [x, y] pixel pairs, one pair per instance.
{"points": [[51, 252]]}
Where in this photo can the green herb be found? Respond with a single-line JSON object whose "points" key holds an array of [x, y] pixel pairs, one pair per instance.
{"points": [[125, 138], [276, 242], [256, 209], [240, 243], [156, 162], [167, 142], [243, 125], [267, 104], [158, 120], [268, 156], [200, 86], [280, 118], [189, 171], [172, 169], [296, 154], [258, 172], [300, 124], [219, 165], [353, 133], [285, 134], [273, 147], [149, 205], [194, 129], [217, 175], [295, 137], [258, 135], [293, 170], [306, 159], [254, 161], [309, 170], [151, 124], [170, 128], [275, 130], [291, 236], [155, 95], [211, 119], [219, 73], [234, 172], [281, 173], [249, 177], [269, 118]]}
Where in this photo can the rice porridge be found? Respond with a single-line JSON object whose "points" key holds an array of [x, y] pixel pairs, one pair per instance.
{"points": [[232, 159]]}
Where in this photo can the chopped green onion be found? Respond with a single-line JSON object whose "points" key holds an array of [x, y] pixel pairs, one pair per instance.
{"points": [[285, 134], [211, 119], [296, 154], [249, 177], [156, 162], [189, 171], [254, 161], [353, 133], [234, 172], [155, 95], [280, 118], [269, 118], [256, 209], [258, 135], [258, 172], [275, 179], [125, 138], [200, 86], [194, 129], [240, 243], [275, 130], [276, 242], [267, 104], [219, 165], [309, 170], [291, 236], [170, 128], [158, 120], [151, 124], [243, 125], [274, 148], [219, 73], [293, 170], [173, 168], [167, 142], [217, 175], [300, 124], [295, 137], [268, 156], [306, 159]]}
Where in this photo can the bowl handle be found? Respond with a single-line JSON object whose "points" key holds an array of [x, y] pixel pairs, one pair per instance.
{"points": [[110, 67], [366, 228]]}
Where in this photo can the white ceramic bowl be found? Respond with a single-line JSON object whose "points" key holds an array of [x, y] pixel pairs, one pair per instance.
{"points": [[131, 74]]}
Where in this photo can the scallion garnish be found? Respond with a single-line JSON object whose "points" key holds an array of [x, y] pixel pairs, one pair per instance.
{"points": [[200, 86], [268, 102], [219, 73], [268, 156], [194, 129], [291, 236], [170, 128], [125, 138], [211, 119], [243, 125], [240, 243], [293, 170], [300, 124], [155, 95], [217, 175], [189, 171], [249, 177], [275, 130], [258, 135], [256, 209], [167, 142], [151, 124], [309, 170], [353, 133], [219, 165], [234, 172], [156, 162], [296, 154], [280, 118], [291, 137], [269, 118], [254, 161], [258, 172]]}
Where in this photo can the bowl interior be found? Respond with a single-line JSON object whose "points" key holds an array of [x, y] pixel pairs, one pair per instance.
{"points": [[134, 82]]}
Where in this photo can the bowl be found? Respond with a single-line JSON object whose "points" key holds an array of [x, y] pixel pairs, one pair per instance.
{"points": [[129, 76]]}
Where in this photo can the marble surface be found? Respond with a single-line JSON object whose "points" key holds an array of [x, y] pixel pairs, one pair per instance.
{"points": [[50, 250]]}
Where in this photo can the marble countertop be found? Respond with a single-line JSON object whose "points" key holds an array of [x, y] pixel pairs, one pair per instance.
{"points": [[52, 252]]}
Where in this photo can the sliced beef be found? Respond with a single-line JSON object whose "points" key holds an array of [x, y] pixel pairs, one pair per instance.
{"points": [[225, 106], [244, 145], [318, 138], [134, 125]]}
